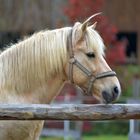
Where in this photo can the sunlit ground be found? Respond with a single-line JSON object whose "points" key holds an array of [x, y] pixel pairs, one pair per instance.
{"points": [[103, 137]]}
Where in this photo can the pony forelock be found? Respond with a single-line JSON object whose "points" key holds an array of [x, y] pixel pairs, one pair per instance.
{"points": [[95, 41]]}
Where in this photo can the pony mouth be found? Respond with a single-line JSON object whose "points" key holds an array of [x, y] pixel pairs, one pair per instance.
{"points": [[96, 95]]}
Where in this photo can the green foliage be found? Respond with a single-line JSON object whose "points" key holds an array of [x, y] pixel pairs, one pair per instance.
{"points": [[51, 138], [126, 75], [101, 137], [109, 128], [106, 137]]}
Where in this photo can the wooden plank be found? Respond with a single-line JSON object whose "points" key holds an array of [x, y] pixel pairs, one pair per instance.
{"points": [[69, 112]]}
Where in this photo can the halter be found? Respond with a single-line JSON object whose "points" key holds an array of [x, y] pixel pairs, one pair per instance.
{"points": [[92, 78]]}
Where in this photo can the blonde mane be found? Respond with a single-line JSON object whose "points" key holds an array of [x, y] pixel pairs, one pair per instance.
{"points": [[32, 61]]}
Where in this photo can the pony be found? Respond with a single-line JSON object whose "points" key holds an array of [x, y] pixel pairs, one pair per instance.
{"points": [[33, 70]]}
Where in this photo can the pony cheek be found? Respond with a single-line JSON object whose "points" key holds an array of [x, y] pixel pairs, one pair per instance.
{"points": [[96, 92], [79, 78]]}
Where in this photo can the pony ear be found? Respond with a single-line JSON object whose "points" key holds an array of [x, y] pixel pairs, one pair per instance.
{"points": [[84, 25], [77, 33], [93, 26], [80, 29]]}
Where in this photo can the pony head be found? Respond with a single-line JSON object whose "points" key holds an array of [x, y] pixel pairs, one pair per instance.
{"points": [[87, 67]]}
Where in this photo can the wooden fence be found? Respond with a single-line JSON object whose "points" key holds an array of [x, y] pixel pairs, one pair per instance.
{"points": [[69, 112]]}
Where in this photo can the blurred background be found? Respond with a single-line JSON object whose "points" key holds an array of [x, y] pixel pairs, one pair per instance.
{"points": [[119, 26]]}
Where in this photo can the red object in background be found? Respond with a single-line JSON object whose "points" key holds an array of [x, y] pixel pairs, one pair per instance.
{"points": [[116, 53], [87, 126], [81, 9]]}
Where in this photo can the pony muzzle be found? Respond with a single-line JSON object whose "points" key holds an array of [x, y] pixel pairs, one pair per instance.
{"points": [[111, 96]]}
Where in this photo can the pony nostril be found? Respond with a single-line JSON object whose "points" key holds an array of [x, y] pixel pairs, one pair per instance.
{"points": [[115, 92], [107, 97]]}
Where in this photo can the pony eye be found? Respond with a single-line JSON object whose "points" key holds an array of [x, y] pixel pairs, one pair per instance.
{"points": [[90, 54]]}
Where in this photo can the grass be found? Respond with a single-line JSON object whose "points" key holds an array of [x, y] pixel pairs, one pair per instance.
{"points": [[102, 137]]}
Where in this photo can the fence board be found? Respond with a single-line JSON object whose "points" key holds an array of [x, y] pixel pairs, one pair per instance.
{"points": [[69, 112]]}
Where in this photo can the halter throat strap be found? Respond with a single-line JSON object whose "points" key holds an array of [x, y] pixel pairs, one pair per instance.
{"points": [[71, 57]]}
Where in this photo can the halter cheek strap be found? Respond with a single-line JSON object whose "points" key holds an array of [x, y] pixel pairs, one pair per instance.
{"points": [[92, 78]]}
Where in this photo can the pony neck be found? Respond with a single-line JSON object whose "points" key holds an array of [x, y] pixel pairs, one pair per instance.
{"points": [[33, 70], [42, 94], [47, 92]]}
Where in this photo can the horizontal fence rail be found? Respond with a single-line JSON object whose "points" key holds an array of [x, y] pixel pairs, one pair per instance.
{"points": [[69, 112]]}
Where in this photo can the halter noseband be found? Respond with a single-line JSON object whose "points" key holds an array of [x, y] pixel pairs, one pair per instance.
{"points": [[74, 61]]}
